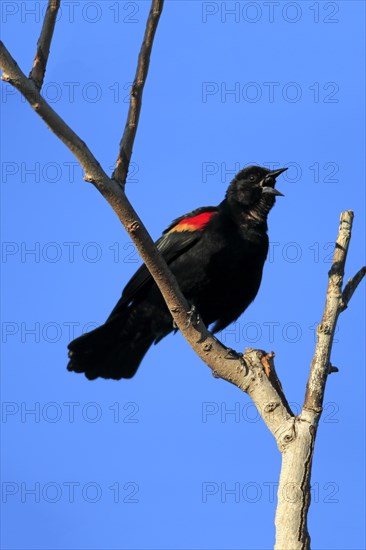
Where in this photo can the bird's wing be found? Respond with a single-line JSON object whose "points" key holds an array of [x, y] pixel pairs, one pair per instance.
{"points": [[181, 235]]}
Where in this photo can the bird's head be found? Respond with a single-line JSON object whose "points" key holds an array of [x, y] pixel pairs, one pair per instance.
{"points": [[253, 190]]}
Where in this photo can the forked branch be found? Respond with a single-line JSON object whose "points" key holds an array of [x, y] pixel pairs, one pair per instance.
{"points": [[294, 486], [44, 43], [336, 302], [248, 373]]}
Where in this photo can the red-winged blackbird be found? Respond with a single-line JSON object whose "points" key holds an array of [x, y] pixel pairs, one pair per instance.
{"points": [[216, 254]]}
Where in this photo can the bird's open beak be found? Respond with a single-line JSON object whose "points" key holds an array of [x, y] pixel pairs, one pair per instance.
{"points": [[276, 173], [271, 179], [272, 191]]}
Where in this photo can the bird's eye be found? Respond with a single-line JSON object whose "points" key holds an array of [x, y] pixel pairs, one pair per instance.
{"points": [[252, 178]]}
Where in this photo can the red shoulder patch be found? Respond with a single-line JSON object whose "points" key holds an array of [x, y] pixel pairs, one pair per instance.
{"points": [[195, 223]]}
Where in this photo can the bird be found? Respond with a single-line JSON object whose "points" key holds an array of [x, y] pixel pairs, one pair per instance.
{"points": [[216, 253]]}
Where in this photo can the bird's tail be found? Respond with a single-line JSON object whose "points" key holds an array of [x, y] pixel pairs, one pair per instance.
{"points": [[113, 350]]}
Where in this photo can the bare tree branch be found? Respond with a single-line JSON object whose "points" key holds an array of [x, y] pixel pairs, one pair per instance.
{"points": [[128, 138], [293, 496], [44, 42], [351, 286], [13, 74], [334, 305], [294, 486], [247, 373]]}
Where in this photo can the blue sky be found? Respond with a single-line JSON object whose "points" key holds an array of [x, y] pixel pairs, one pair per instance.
{"points": [[175, 459]]}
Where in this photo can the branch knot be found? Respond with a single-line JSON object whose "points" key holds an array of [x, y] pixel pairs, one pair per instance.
{"points": [[271, 406]]}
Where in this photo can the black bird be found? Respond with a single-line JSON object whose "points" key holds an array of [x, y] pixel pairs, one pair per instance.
{"points": [[217, 255]]}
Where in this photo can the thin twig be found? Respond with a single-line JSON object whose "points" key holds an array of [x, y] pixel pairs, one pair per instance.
{"points": [[128, 138], [334, 305], [44, 42], [351, 286]]}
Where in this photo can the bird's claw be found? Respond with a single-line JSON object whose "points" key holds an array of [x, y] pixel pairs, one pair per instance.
{"points": [[232, 354], [191, 313]]}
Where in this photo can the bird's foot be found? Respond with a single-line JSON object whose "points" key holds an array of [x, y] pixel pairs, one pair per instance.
{"points": [[191, 314], [232, 354]]}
